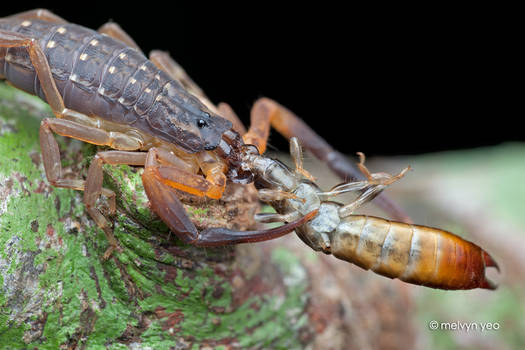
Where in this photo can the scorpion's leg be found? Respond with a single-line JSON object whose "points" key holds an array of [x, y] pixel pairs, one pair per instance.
{"points": [[42, 14], [93, 188], [38, 59], [165, 202], [266, 112], [113, 30], [165, 62], [53, 168], [227, 112]]}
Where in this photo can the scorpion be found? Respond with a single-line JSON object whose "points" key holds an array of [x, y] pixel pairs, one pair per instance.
{"points": [[103, 90]]}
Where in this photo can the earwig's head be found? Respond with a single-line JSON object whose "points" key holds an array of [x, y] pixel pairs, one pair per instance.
{"points": [[233, 150]]}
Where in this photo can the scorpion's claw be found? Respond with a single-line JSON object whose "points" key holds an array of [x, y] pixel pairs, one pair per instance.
{"points": [[165, 203]]}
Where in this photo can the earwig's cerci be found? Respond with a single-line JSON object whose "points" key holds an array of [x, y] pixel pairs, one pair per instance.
{"points": [[104, 91]]}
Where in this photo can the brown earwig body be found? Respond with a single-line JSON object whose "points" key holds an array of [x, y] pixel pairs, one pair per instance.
{"points": [[104, 91], [412, 253]]}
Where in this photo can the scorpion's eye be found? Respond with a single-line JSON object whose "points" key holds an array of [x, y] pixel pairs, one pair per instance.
{"points": [[201, 123]]}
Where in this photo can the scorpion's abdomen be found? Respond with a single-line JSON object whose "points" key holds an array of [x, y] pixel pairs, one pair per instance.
{"points": [[415, 254]]}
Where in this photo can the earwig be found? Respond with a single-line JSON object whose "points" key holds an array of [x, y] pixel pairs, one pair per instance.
{"points": [[412, 253], [104, 91]]}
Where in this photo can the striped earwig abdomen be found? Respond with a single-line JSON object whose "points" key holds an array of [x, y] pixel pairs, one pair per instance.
{"points": [[101, 77], [415, 254]]}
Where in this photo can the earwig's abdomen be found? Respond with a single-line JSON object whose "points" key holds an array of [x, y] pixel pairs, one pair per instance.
{"points": [[414, 254]]}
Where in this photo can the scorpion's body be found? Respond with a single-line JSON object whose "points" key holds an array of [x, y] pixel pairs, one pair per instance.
{"points": [[103, 90], [112, 83]]}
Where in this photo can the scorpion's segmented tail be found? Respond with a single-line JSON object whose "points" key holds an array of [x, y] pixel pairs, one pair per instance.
{"points": [[415, 254]]}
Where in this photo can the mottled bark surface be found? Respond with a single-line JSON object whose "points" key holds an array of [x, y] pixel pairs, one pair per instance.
{"points": [[57, 293]]}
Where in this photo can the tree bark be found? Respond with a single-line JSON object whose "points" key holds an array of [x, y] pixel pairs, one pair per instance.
{"points": [[56, 291]]}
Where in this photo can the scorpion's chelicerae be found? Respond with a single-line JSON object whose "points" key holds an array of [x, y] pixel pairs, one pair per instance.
{"points": [[104, 91]]}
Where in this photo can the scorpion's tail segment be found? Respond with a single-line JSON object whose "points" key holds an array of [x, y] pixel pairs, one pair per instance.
{"points": [[414, 254]]}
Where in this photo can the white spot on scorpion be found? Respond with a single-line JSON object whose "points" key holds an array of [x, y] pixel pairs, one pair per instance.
{"points": [[122, 56], [132, 81], [61, 30], [112, 69], [93, 42], [121, 100], [157, 76], [147, 90], [101, 91], [51, 44], [143, 67], [83, 57], [25, 23], [73, 77]]}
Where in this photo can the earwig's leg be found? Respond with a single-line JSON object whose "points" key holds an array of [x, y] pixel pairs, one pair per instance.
{"points": [[297, 157], [378, 178], [274, 217], [266, 113], [375, 184], [270, 195], [365, 197], [113, 30], [93, 188], [43, 14]]}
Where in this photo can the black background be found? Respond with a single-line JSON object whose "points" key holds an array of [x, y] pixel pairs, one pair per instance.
{"points": [[382, 80]]}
